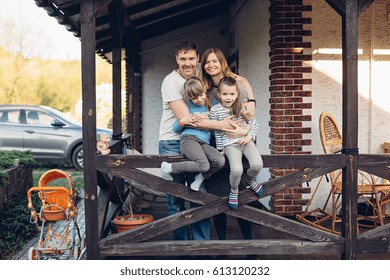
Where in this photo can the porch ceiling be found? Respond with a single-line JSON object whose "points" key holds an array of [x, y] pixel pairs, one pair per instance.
{"points": [[145, 19]]}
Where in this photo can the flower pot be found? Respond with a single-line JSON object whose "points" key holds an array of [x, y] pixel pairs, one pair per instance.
{"points": [[125, 222]]}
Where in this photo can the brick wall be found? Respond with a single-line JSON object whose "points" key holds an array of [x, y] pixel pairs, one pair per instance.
{"points": [[290, 93]]}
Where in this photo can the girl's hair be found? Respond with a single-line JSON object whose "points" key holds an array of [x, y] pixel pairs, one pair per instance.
{"points": [[193, 88], [229, 81], [225, 69]]}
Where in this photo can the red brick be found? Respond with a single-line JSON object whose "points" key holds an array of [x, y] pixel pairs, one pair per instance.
{"points": [[293, 88], [303, 106]]}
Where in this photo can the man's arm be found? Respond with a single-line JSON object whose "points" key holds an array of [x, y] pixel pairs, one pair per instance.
{"points": [[179, 108]]}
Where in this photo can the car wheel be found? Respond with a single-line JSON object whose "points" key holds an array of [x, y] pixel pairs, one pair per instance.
{"points": [[78, 158]]}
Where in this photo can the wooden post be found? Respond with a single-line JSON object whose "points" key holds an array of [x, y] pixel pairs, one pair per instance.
{"points": [[350, 127], [133, 90], [116, 26], [88, 68]]}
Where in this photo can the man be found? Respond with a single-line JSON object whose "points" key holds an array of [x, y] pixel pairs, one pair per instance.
{"points": [[172, 91]]}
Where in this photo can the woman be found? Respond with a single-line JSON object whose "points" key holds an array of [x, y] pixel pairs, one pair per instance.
{"points": [[214, 67]]}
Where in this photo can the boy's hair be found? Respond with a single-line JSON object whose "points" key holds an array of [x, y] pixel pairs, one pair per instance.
{"points": [[186, 46], [193, 87], [229, 81]]}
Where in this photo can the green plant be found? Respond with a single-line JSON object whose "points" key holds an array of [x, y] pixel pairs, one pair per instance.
{"points": [[16, 229], [7, 158]]}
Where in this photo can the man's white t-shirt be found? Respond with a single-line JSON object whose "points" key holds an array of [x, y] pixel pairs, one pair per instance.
{"points": [[172, 89]]}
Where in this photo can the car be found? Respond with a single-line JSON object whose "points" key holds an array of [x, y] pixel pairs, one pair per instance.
{"points": [[49, 134]]}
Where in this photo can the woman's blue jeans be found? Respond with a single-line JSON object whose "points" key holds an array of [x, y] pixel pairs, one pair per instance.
{"points": [[199, 230]]}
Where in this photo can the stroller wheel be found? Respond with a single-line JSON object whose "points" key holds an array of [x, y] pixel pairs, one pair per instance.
{"points": [[33, 254]]}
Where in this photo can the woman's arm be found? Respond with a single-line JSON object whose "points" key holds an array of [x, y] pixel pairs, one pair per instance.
{"points": [[250, 106]]}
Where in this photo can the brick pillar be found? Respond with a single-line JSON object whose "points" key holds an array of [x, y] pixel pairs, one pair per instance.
{"points": [[290, 93]]}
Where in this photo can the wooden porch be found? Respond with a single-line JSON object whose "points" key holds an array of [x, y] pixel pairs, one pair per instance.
{"points": [[106, 171]]}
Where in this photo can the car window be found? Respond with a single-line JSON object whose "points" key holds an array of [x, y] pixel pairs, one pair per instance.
{"points": [[9, 116], [38, 118]]}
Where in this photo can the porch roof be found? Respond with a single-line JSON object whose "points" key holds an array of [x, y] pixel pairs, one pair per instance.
{"points": [[143, 19]]}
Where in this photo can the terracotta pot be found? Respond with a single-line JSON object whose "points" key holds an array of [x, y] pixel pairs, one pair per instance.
{"points": [[123, 223]]}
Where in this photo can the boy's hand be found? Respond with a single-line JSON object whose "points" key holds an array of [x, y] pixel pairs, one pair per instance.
{"points": [[186, 120]]}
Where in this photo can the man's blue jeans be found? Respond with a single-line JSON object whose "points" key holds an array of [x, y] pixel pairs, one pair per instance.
{"points": [[199, 230]]}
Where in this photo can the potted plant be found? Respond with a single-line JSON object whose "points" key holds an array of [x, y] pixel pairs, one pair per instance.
{"points": [[129, 220]]}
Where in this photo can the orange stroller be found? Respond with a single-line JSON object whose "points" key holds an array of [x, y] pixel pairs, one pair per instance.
{"points": [[58, 204]]}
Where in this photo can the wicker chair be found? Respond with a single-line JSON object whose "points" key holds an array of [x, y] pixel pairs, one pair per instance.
{"points": [[368, 191]]}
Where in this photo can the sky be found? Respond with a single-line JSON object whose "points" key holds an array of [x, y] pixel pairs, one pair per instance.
{"points": [[39, 33]]}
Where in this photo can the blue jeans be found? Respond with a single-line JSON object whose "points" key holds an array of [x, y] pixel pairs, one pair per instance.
{"points": [[199, 230]]}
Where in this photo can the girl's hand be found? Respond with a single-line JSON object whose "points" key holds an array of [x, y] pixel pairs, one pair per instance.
{"points": [[245, 140], [199, 117]]}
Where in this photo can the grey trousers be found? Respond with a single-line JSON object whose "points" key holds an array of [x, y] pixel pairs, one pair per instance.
{"points": [[203, 158], [234, 154]]}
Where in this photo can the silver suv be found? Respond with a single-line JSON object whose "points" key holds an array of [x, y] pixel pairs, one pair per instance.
{"points": [[46, 132]]}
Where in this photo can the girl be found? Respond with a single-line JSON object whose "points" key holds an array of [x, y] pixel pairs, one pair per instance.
{"points": [[230, 104], [194, 143], [214, 67]]}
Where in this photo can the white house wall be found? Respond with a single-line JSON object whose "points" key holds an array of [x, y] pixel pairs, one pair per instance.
{"points": [[158, 60]]}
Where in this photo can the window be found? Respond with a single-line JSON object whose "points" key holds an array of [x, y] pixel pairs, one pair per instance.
{"points": [[7, 116]]}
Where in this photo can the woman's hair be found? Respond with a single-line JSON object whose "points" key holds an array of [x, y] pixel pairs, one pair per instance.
{"points": [[225, 69], [229, 81], [193, 88]]}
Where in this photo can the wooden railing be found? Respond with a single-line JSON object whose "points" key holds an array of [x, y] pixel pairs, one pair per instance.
{"points": [[307, 239]]}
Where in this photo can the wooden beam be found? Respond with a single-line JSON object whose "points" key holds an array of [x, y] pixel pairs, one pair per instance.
{"points": [[379, 233], [339, 6], [374, 246], [222, 247], [280, 161], [363, 5], [116, 28], [135, 118], [100, 6], [284, 224], [378, 165], [88, 68]]}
